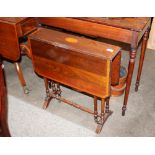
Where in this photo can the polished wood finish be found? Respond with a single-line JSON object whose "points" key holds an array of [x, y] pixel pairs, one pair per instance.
{"points": [[9, 45], [126, 30], [28, 26], [63, 60], [11, 30], [23, 25], [134, 23], [77, 62], [88, 28], [4, 130]]}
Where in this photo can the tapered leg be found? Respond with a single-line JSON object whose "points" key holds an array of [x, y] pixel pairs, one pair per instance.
{"points": [[129, 78], [21, 77], [143, 49]]}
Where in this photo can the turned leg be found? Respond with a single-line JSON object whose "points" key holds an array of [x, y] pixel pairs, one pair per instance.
{"points": [[107, 105], [58, 90], [143, 49], [129, 78], [47, 98], [95, 109], [105, 113], [21, 77], [101, 122]]}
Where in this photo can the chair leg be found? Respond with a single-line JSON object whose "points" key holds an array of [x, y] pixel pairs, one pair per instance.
{"points": [[21, 77]]}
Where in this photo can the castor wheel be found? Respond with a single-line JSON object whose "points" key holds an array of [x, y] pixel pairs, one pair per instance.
{"points": [[26, 90]]}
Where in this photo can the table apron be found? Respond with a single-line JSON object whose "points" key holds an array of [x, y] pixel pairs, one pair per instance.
{"points": [[89, 28]]}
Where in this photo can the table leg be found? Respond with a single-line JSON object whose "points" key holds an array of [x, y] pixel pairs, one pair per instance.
{"points": [[47, 98], [129, 78], [107, 105], [100, 125], [105, 113], [4, 130], [21, 77], [3, 119], [143, 49]]}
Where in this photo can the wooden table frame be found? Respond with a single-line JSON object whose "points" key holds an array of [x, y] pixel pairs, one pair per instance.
{"points": [[129, 36]]}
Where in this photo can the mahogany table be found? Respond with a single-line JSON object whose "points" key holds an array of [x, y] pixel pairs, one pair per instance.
{"points": [[12, 33], [77, 62], [126, 30]]}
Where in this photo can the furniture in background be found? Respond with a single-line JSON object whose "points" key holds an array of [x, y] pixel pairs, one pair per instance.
{"points": [[13, 35], [79, 63], [4, 130], [126, 30]]}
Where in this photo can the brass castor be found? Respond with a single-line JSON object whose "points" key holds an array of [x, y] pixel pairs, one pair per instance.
{"points": [[26, 90]]}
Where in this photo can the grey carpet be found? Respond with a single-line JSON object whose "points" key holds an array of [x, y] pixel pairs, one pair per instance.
{"points": [[26, 120], [139, 119]]}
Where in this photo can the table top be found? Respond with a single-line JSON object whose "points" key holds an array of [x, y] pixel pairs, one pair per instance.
{"points": [[13, 20], [130, 23], [75, 43]]}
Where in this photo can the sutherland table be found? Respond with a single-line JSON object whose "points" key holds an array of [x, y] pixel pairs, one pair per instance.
{"points": [[80, 63], [126, 30]]}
